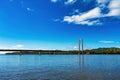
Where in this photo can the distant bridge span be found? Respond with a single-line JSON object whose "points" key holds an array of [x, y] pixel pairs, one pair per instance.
{"points": [[28, 50]]}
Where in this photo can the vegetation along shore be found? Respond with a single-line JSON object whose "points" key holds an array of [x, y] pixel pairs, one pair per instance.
{"points": [[111, 50]]}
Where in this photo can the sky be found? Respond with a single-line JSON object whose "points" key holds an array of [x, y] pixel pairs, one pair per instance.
{"points": [[59, 24]]}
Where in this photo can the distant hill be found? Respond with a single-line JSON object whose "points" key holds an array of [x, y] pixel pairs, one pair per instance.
{"points": [[112, 50]]}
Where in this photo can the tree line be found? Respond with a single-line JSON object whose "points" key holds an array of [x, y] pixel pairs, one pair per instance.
{"points": [[112, 50]]}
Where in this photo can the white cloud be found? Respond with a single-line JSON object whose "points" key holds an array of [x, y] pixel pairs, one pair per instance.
{"points": [[4, 52], [70, 1], [54, 1], [92, 17], [76, 11], [95, 22], [84, 17], [18, 46], [102, 1], [65, 2], [74, 47], [106, 41], [114, 7], [29, 9], [118, 46]]}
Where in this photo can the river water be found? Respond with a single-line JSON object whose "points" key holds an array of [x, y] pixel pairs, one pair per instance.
{"points": [[59, 67]]}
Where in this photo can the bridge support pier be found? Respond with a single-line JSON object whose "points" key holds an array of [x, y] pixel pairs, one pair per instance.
{"points": [[39, 52], [21, 52]]}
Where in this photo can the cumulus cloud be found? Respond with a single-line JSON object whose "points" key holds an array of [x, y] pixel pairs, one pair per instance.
{"points": [[70, 1], [106, 41], [114, 7], [84, 17], [92, 17]]}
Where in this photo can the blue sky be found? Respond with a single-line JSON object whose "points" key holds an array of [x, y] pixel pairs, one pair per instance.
{"points": [[58, 24]]}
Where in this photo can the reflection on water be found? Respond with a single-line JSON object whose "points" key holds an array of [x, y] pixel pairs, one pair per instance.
{"points": [[59, 67]]}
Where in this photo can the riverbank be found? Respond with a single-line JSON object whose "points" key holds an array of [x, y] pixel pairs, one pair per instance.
{"points": [[74, 52]]}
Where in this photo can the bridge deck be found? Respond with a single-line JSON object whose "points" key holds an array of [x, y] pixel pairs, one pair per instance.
{"points": [[27, 50]]}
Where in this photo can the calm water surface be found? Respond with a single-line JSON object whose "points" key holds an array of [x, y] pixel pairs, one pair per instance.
{"points": [[59, 67]]}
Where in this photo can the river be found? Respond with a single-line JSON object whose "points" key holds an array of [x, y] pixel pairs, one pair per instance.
{"points": [[59, 67]]}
